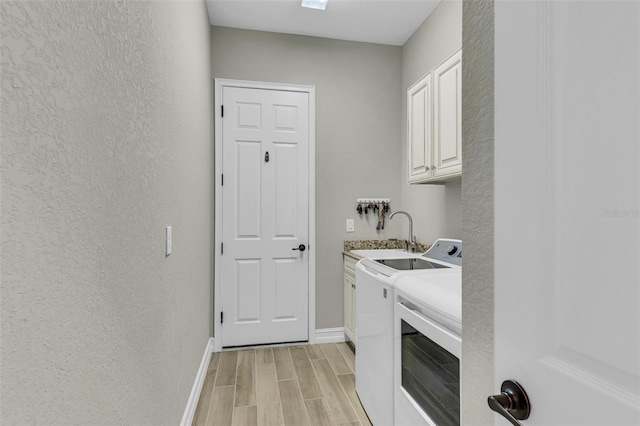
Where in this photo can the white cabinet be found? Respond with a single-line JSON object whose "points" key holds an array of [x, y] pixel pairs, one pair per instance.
{"points": [[434, 123], [419, 130], [447, 114], [350, 298]]}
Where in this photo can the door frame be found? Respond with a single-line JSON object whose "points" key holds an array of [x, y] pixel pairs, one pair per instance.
{"points": [[219, 84]]}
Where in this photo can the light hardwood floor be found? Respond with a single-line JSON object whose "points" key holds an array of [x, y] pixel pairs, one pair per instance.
{"points": [[310, 385]]}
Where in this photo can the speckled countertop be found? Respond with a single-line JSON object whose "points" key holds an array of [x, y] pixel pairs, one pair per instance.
{"points": [[376, 245]]}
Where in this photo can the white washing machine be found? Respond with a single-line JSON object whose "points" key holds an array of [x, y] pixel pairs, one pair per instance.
{"points": [[375, 304]]}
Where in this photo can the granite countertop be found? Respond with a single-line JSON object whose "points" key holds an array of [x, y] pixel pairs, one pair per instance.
{"points": [[377, 245]]}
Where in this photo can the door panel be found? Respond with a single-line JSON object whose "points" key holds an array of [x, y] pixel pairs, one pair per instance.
{"points": [[567, 234], [248, 195], [419, 158], [285, 278], [249, 115], [248, 286], [286, 117], [265, 214], [286, 189], [449, 115]]}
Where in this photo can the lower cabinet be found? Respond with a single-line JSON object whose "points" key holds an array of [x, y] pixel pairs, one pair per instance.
{"points": [[350, 298]]}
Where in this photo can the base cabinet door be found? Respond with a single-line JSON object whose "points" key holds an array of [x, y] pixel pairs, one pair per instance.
{"points": [[350, 299]]}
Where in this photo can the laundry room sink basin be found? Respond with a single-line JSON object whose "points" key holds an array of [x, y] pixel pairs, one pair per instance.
{"points": [[383, 253]]}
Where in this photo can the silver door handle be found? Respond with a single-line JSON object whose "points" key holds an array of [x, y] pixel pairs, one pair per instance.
{"points": [[512, 404]]}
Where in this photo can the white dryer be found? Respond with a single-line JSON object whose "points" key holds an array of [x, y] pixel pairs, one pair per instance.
{"points": [[427, 350], [375, 304]]}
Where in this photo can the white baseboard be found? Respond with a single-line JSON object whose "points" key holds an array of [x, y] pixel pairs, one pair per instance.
{"points": [[330, 335], [192, 402]]}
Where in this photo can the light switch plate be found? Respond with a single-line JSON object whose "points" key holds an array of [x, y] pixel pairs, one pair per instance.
{"points": [[350, 225], [168, 232]]}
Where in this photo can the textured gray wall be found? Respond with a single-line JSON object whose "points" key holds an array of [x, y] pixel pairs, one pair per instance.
{"points": [[357, 135], [477, 211], [106, 139], [435, 208]]}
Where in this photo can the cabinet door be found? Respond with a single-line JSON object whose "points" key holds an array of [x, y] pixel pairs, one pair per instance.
{"points": [[353, 311], [349, 298], [419, 131], [447, 127], [349, 307]]}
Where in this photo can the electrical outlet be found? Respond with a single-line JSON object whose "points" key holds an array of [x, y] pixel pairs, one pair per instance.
{"points": [[350, 225]]}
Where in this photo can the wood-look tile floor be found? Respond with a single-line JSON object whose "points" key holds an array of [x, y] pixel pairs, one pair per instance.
{"points": [[291, 386]]}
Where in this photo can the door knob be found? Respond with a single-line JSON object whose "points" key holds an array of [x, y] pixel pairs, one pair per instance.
{"points": [[512, 404], [301, 247]]}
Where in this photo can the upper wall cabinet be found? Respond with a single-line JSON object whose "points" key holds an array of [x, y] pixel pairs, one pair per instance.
{"points": [[434, 124]]}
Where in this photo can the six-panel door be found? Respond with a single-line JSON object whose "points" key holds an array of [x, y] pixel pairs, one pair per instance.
{"points": [[265, 216]]}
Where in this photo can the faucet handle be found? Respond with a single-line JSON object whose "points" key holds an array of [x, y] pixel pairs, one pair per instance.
{"points": [[410, 246]]}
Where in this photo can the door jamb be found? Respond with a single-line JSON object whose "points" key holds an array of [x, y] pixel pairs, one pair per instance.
{"points": [[217, 306]]}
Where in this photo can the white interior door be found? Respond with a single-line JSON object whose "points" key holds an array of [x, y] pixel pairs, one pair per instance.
{"points": [[265, 216], [567, 235]]}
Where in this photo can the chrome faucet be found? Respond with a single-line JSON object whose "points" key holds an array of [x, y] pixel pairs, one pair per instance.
{"points": [[411, 241]]}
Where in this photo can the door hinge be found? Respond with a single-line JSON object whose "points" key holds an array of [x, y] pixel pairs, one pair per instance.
{"points": [[221, 110], [222, 180], [221, 248], [221, 317]]}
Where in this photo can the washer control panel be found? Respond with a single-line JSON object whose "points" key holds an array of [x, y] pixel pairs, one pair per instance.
{"points": [[446, 250]]}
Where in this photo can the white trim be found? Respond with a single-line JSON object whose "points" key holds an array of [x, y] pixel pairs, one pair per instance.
{"points": [[217, 291], [330, 335], [311, 90], [220, 82], [192, 402], [312, 214]]}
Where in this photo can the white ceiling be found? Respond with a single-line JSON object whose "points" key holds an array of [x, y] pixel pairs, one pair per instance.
{"points": [[374, 21]]}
